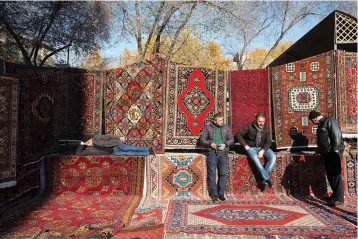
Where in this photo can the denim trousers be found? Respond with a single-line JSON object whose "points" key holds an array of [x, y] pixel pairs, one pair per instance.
{"points": [[130, 150], [271, 159], [217, 161]]}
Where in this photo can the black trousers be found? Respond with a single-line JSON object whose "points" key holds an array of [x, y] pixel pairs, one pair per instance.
{"points": [[332, 163]]}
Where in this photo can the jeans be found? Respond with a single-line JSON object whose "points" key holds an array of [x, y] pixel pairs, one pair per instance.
{"points": [[271, 159], [130, 150], [218, 161]]}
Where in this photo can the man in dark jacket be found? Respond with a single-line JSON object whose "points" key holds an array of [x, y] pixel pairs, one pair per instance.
{"points": [[256, 139], [217, 137], [330, 147]]}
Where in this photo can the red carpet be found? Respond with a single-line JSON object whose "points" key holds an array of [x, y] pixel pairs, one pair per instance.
{"points": [[101, 192]]}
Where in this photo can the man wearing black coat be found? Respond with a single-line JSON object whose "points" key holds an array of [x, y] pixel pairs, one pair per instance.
{"points": [[330, 147]]}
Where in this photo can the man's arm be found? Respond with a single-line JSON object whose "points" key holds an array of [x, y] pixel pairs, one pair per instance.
{"points": [[204, 138], [230, 137], [240, 135], [335, 135]]}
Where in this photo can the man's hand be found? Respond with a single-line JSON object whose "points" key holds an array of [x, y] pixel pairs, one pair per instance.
{"points": [[247, 147], [261, 153], [213, 145], [122, 139], [222, 147]]}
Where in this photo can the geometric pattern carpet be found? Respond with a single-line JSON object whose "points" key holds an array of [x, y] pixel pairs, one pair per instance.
{"points": [[39, 118], [99, 192], [134, 103], [249, 95], [194, 95], [298, 88], [294, 218], [347, 91], [9, 108], [81, 103]]}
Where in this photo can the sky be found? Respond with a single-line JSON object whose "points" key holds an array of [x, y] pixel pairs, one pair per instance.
{"points": [[115, 49]]}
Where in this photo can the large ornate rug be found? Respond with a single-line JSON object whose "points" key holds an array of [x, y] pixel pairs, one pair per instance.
{"points": [[243, 177], [100, 191], [349, 168], [9, 128], [294, 218], [39, 118], [347, 92], [249, 95], [134, 104], [298, 88], [81, 103], [194, 95]]}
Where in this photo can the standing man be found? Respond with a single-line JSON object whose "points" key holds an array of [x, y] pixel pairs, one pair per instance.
{"points": [[217, 137], [330, 147], [256, 139]]}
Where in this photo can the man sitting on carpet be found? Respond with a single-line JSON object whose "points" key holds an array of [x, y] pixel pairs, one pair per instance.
{"points": [[111, 144], [217, 137], [256, 139], [330, 147]]}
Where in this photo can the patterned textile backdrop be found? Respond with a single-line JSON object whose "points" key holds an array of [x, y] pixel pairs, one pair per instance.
{"points": [[242, 179], [249, 95], [194, 95], [294, 218], [9, 108], [98, 191], [39, 109], [81, 103], [347, 91], [297, 89], [134, 104], [183, 177], [349, 167]]}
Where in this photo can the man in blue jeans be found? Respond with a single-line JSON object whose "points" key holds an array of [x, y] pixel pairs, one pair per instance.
{"points": [[112, 144], [217, 137], [255, 137]]}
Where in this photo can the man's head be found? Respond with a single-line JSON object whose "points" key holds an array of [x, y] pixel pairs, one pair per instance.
{"points": [[260, 120], [315, 116], [218, 119]]}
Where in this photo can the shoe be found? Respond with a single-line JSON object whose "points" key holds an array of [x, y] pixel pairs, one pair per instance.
{"points": [[222, 198], [335, 203], [327, 198], [151, 151], [269, 183], [214, 199], [263, 183]]}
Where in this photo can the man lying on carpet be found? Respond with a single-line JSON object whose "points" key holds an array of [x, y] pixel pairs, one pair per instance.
{"points": [[256, 139], [217, 137], [111, 144], [330, 147]]}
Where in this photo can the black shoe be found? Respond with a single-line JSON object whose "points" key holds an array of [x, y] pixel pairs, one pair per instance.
{"points": [[263, 183], [326, 198], [335, 203], [269, 183], [222, 198], [214, 199], [151, 151]]}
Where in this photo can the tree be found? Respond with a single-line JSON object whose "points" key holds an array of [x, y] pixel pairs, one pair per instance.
{"points": [[213, 57], [50, 27]]}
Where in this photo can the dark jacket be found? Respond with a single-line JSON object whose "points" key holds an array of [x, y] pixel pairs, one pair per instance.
{"points": [[329, 137], [247, 136], [208, 137]]}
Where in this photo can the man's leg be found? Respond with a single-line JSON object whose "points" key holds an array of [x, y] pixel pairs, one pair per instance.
{"points": [[124, 149], [333, 167], [211, 164], [109, 141], [252, 153], [271, 160], [222, 169]]}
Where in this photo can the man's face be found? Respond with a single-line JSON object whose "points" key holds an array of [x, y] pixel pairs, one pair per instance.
{"points": [[219, 121], [260, 122], [315, 120]]}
